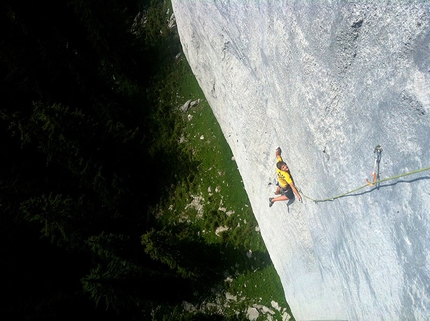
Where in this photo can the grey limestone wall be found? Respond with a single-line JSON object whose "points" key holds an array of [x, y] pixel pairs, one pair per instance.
{"points": [[327, 81]]}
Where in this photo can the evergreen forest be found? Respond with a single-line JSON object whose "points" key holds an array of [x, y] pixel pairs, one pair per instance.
{"points": [[88, 151]]}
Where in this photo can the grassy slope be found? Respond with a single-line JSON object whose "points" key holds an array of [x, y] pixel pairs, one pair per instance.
{"points": [[216, 198]]}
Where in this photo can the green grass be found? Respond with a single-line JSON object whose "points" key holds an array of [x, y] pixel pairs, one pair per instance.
{"points": [[213, 204], [214, 198]]}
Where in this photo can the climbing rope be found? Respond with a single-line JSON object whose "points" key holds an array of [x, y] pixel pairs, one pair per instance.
{"points": [[367, 185]]}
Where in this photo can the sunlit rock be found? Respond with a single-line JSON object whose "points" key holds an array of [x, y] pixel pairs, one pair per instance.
{"points": [[327, 81]]}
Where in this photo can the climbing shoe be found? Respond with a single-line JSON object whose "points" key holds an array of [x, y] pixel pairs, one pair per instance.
{"points": [[270, 201]]}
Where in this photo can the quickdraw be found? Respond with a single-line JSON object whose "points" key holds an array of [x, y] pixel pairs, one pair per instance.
{"points": [[377, 151]]}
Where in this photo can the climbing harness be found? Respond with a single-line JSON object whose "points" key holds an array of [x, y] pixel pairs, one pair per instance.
{"points": [[377, 151]]}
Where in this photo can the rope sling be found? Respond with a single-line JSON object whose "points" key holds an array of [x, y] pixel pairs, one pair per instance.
{"points": [[377, 151], [366, 185]]}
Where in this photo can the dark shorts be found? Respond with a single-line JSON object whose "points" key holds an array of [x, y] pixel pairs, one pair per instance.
{"points": [[288, 192]]}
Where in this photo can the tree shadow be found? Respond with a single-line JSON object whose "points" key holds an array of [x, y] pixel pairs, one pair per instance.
{"points": [[202, 265], [96, 153]]}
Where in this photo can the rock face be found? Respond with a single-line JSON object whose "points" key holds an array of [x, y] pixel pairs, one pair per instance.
{"points": [[327, 81]]}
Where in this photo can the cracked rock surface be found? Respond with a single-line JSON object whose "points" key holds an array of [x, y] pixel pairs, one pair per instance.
{"points": [[327, 81]]}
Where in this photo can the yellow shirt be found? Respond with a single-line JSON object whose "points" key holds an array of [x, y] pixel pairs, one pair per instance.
{"points": [[283, 177]]}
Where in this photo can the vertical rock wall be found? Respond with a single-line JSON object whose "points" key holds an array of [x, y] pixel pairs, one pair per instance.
{"points": [[327, 81]]}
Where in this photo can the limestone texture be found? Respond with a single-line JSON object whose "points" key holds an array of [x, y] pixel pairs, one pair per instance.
{"points": [[327, 81]]}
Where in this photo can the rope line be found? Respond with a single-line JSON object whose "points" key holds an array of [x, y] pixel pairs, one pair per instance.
{"points": [[361, 187]]}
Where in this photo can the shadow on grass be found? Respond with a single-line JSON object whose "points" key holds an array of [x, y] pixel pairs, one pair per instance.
{"points": [[182, 251]]}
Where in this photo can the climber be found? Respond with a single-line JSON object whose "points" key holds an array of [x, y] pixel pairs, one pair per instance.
{"points": [[285, 183]]}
